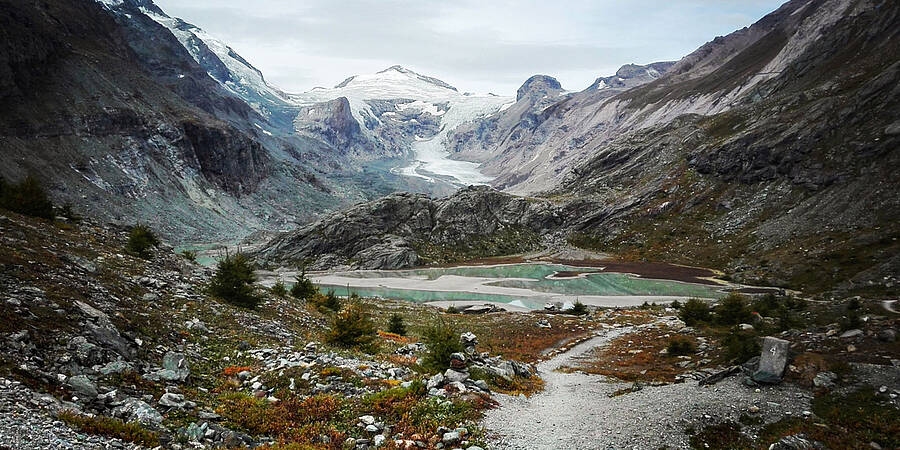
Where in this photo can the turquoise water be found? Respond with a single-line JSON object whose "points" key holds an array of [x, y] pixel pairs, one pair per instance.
{"points": [[533, 277]]}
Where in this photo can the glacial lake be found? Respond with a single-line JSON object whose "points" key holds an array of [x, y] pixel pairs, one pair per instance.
{"points": [[528, 286]]}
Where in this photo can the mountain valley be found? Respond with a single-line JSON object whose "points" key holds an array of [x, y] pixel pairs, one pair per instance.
{"points": [[696, 253]]}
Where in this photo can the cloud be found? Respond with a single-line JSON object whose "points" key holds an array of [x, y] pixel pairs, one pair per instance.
{"points": [[476, 45]]}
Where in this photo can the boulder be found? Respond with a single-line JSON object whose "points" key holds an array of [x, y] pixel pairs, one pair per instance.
{"points": [[450, 438], [367, 420], [116, 367], [825, 380], [772, 360], [83, 385], [134, 410], [172, 400], [435, 382], [175, 368], [852, 333], [452, 375], [521, 369], [887, 335], [457, 361]]}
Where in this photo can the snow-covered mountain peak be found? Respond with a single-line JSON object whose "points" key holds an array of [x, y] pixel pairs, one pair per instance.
{"points": [[395, 81]]}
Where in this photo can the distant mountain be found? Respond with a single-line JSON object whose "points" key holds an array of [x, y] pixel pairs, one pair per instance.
{"points": [[406, 112], [771, 153]]}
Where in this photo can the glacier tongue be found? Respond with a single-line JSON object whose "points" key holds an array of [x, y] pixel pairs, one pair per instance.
{"points": [[427, 95]]}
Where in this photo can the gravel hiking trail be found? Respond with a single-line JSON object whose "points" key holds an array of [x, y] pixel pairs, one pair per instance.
{"points": [[575, 411]]}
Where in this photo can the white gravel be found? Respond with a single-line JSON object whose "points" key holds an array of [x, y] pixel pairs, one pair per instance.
{"points": [[575, 412]]}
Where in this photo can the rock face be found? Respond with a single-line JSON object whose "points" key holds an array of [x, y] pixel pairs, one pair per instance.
{"points": [[538, 87], [404, 230], [334, 121], [631, 75]]}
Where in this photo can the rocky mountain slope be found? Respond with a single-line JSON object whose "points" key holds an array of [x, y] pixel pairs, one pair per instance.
{"points": [[405, 230], [792, 185], [132, 115], [109, 109], [770, 153]]}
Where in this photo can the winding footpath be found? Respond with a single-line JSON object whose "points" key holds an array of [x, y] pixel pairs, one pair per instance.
{"points": [[575, 411]]}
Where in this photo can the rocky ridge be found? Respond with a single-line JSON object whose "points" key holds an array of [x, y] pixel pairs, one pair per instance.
{"points": [[405, 230]]}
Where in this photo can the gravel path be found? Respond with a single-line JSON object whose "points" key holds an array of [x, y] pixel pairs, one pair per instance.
{"points": [[575, 412], [25, 425]]}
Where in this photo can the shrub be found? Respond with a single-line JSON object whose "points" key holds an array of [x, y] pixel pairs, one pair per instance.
{"points": [[852, 318], [680, 346], [741, 345], [233, 281], [452, 310], [304, 289], [441, 340], [675, 304], [733, 309], [351, 327], [328, 301], [69, 213], [694, 311], [27, 197], [141, 240], [114, 428], [278, 289], [396, 325], [579, 309], [189, 255]]}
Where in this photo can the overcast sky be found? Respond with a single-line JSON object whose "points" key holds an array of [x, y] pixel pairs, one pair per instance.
{"points": [[475, 45]]}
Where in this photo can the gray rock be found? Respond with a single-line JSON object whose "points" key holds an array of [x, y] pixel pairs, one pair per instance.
{"points": [[450, 438], [887, 335], [172, 400], [435, 382], [796, 442], [772, 360], [135, 410], [468, 338], [175, 368], [852, 333], [367, 420], [194, 432], [452, 375], [116, 367], [825, 380], [83, 386]]}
